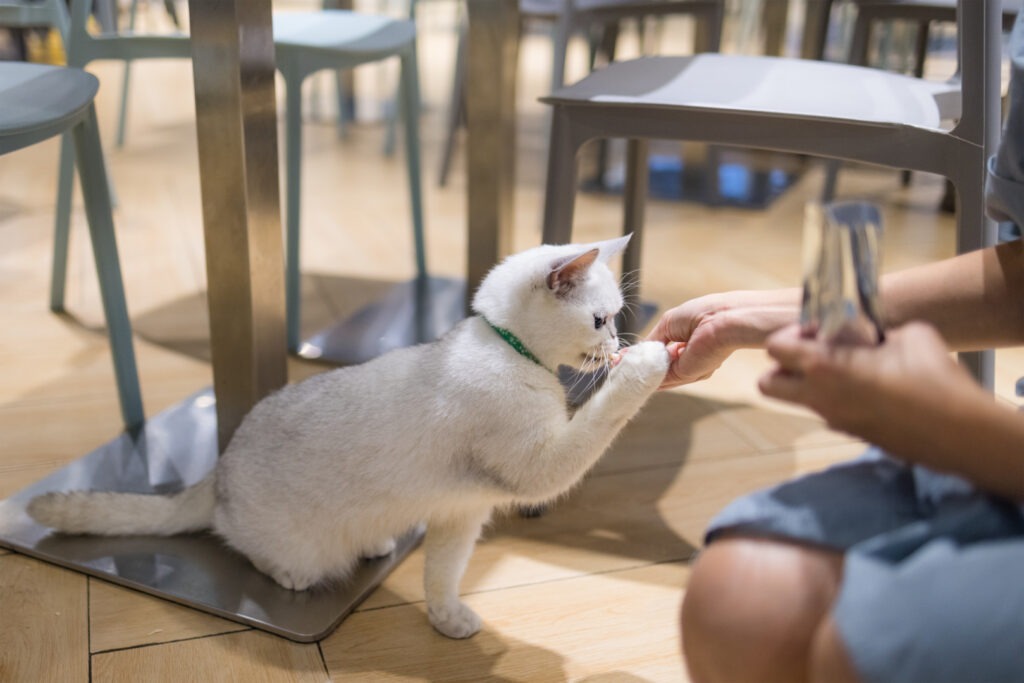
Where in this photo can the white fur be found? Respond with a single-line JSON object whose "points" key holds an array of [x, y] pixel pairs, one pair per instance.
{"points": [[333, 468]]}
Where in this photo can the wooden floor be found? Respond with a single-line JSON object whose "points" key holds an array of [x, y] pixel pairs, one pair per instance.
{"points": [[589, 592]]}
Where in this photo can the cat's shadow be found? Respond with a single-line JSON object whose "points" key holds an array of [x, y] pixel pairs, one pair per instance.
{"points": [[632, 506], [489, 655]]}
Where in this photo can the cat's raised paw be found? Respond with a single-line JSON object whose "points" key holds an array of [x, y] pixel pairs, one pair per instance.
{"points": [[648, 357], [454, 620]]}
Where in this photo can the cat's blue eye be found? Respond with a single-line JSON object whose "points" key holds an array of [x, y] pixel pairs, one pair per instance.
{"points": [[599, 322]]}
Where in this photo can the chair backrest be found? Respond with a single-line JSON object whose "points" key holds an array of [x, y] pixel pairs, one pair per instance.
{"points": [[979, 52], [83, 47], [30, 13]]}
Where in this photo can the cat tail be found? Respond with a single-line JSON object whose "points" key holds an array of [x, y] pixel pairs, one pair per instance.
{"points": [[126, 514]]}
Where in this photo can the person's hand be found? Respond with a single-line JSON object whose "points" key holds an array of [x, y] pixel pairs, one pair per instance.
{"points": [[701, 333], [879, 393]]}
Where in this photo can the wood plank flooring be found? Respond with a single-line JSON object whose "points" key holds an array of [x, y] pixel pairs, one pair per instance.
{"points": [[589, 592]]}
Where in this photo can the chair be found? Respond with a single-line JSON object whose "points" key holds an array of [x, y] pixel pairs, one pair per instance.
{"points": [[588, 17], [36, 103], [82, 48], [872, 14], [305, 42], [839, 111]]}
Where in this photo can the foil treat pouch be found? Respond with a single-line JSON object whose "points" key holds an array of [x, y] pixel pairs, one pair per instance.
{"points": [[841, 266]]}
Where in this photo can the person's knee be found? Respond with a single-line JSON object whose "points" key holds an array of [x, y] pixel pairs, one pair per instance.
{"points": [[830, 662], [752, 607]]}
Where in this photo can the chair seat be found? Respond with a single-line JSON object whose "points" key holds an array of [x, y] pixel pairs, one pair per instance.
{"points": [[331, 31], [550, 9], [790, 88], [39, 101]]}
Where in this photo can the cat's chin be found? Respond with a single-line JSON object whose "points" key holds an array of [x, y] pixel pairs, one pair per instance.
{"points": [[586, 363]]}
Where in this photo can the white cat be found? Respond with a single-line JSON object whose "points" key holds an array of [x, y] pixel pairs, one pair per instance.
{"points": [[332, 469]]}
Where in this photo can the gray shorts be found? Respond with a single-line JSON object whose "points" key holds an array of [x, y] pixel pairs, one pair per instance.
{"points": [[933, 580]]}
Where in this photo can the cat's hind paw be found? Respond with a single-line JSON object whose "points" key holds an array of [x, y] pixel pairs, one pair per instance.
{"points": [[380, 549], [454, 620]]}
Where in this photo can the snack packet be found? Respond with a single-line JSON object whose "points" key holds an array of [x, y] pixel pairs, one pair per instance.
{"points": [[840, 285]]}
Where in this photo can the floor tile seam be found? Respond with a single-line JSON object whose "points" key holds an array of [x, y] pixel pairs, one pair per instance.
{"points": [[754, 453], [91, 397], [604, 572], [811, 448], [142, 646], [599, 474], [88, 624], [323, 658]]}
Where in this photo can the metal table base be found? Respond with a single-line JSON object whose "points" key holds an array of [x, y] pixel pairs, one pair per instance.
{"points": [[413, 312], [176, 449]]}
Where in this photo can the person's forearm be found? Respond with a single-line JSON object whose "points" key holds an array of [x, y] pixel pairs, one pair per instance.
{"points": [[748, 317], [975, 300], [967, 434]]}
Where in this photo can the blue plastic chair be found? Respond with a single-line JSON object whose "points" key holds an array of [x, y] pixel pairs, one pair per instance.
{"points": [[82, 48], [305, 42], [36, 103]]}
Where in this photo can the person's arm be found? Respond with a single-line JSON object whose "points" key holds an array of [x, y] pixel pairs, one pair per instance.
{"points": [[975, 300], [711, 327], [908, 396]]}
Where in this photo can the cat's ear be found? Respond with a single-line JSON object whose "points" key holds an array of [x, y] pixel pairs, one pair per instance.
{"points": [[610, 248], [567, 273]]}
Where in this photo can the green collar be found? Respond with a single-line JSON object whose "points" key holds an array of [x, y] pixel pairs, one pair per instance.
{"points": [[515, 342]]}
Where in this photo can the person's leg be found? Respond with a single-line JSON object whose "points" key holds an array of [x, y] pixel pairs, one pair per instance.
{"points": [[753, 607], [829, 660]]}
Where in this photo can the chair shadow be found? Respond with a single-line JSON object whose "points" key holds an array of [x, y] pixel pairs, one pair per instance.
{"points": [[183, 325]]}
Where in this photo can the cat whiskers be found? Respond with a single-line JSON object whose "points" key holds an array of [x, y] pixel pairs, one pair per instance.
{"points": [[590, 371], [629, 283]]}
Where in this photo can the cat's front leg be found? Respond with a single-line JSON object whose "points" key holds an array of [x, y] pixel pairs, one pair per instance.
{"points": [[637, 376], [448, 546]]}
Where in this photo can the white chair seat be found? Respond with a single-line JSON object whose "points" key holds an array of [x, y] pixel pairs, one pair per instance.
{"points": [[553, 8], [368, 36], [792, 88]]}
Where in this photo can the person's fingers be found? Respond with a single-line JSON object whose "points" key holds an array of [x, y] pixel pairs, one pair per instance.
{"points": [[792, 351], [661, 330], [782, 385]]}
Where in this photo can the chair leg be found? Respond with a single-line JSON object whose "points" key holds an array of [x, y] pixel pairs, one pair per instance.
{"points": [[122, 115], [391, 134], [456, 106], [560, 187], [293, 200], [974, 231], [828, 189], [96, 194], [634, 201], [560, 45], [410, 100], [62, 223]]}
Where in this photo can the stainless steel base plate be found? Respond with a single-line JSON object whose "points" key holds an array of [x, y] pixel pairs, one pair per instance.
{"points": [[174, 450]]}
